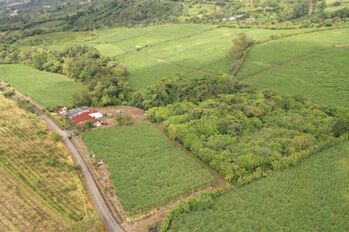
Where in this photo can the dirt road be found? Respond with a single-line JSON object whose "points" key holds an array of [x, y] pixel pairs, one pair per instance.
{"points": [[110, 223]]}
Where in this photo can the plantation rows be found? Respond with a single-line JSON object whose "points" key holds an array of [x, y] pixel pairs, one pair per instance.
{"points": [[145, 169], [313, 196], [43, 165], [19, 212]]}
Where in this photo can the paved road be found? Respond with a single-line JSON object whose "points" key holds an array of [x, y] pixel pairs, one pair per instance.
{"points": [[110, 223]]}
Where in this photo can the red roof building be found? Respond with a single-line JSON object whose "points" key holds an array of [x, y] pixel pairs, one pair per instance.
{"points": [[85, 117]]}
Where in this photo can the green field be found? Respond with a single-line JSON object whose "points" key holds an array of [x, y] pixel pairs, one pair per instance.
{"points": [[312, 196], [313, 65], [46, 88], [156, 52], [145, 169]]}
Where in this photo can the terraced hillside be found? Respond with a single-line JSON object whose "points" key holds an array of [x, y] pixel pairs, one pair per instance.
{"points": [[310, 197], [157, 52], [313, 65], [37, 175], [46, 88]]}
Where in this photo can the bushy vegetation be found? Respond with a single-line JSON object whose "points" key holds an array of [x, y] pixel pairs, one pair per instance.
{"points": [[145, 169], [309, 197], [245, 134], [181, 89], [239, 50]]}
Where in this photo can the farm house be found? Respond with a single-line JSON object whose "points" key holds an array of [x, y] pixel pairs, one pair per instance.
{"points": [[82, 115], [85, 117]]}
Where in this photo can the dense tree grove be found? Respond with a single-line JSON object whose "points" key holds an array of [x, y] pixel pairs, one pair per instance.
{"points": [[183, 89], [247, 133]]}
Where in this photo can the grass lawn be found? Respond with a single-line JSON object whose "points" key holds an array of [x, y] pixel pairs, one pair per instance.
{"points": [[48, 89], [313, 196], [145, 169]]}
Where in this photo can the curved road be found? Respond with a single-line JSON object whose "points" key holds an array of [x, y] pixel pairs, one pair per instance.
{"points": [[110, 223]]}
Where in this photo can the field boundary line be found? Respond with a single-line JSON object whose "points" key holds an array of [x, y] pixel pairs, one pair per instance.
{"points": [[165, 41], [284, 63], [190, 69]]}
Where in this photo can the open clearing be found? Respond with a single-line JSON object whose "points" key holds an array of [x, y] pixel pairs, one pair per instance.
{"points": [[312, 196], [314, 65], [145, 169], [48, 89], [44, 167], [157, 52]]}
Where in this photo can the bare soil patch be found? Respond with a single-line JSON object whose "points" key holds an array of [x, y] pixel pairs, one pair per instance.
{"points": [[138, 115]]}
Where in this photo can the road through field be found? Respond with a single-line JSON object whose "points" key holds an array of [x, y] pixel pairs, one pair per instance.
{"points": [[110, 223]]}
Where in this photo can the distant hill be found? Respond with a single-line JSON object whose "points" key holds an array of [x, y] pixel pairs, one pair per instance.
{"points": [[42, 16]]}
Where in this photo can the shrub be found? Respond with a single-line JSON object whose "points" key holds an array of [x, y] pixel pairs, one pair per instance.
{"points": [[341, 127], [56, 137], [53, 161], [26, 105], [9, 93], [126, 120]]}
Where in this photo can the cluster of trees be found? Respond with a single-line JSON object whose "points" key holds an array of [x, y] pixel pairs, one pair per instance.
{"points": [[240, 47], [183, 89], [303, 8], [104, 77], [245, 134], [8, 54]]}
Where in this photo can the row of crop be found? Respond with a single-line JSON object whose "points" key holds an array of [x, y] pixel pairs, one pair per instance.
{"points": [[17, 210], [32, 167], [50, 191]]}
